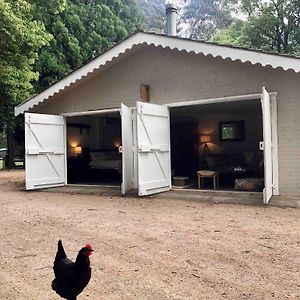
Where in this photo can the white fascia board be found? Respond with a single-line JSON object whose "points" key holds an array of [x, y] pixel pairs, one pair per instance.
{"points": [[180, 44], [226, 52]]}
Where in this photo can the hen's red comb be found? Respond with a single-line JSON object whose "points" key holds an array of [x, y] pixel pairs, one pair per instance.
{"points": [[89, 246]]}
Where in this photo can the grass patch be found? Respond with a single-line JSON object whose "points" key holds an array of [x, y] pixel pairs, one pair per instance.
{"points": [[19, 164]]}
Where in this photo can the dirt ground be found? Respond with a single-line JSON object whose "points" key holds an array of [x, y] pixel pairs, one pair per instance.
{"points": [[147, 248]]}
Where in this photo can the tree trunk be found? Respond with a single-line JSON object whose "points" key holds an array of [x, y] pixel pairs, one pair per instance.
{"points": [[278, 39], [285, 42], [9, 162]]}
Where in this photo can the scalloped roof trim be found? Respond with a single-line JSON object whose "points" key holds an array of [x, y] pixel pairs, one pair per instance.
{"points": [[243, 55]]}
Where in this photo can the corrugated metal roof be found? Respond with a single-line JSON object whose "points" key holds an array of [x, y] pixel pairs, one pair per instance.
{"points": [[263, 58]]}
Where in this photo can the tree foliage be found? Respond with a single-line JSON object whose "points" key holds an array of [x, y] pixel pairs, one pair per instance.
{"points": [[41, 41], [204, 17], [273, 26], [20, 39], [82, 29], [153, 15]]}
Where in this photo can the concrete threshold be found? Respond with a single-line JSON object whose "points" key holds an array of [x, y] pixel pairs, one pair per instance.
{"points": [[86, 189], [230, 197], [285, 201]]}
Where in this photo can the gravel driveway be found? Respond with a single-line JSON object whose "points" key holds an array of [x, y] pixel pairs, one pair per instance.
{"points": [[147, 248]]}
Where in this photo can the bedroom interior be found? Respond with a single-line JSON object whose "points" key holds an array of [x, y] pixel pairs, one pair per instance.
{"points": [[93, 155], [216, 146], [222, 138]]}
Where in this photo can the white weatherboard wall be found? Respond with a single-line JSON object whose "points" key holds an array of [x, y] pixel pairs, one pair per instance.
{"points": [[177, 76]]}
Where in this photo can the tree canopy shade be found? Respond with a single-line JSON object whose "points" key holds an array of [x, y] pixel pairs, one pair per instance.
{"points": [[20, 39], [81, 30], [270, 25]]}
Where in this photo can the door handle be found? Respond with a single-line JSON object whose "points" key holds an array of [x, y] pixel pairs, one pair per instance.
{"points": [[261, 146]]}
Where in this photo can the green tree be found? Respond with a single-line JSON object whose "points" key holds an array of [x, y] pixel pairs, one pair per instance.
{"points": [[153, 14], [202, 18], [233, 35], [272, 25], [20, 39], [82, 29]]}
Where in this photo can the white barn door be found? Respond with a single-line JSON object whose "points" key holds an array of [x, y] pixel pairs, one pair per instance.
{"points": [[44, 151], [153, 143], [267, 146], [127, 149]]}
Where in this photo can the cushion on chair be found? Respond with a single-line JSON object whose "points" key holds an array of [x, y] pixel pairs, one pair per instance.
{"points": [[206, 173]]}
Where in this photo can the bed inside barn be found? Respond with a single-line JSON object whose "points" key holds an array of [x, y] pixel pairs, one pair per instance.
{"points": [[93, 149]]}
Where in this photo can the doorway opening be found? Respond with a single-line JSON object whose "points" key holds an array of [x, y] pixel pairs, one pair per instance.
{"points": [[216, 146], [93, 149]]}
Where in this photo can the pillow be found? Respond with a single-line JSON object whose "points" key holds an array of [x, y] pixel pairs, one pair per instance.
{"points": [[98, 156], [113, 155], [92, 156]]}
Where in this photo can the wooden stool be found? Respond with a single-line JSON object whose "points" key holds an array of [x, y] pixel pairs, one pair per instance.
{"points": [[202, 174]]}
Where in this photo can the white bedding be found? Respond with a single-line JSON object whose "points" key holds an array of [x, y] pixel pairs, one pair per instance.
{"points": [[105, 160], [105, 164]]}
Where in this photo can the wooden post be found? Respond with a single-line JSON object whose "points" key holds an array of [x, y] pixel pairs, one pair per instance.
{"points": [[144, 92], [9, 160]]}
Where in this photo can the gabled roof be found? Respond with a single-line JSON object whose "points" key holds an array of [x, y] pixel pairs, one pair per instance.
{"points": [[285, 62]]}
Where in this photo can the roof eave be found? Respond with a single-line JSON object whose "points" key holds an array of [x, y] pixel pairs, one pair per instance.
{"points": [[207, 49], [90, 67]]}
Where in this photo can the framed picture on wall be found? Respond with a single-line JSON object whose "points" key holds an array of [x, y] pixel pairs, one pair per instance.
{"points": [[231, 131]]}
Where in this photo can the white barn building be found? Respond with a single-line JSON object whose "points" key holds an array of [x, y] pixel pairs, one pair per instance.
{"points": [[175, 106]]}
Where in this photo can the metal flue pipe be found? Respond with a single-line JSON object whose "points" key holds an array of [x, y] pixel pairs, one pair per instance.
{"points": [[171, 12]]}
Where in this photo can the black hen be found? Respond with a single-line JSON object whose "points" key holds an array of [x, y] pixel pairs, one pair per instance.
{"points": [[71, 277]]}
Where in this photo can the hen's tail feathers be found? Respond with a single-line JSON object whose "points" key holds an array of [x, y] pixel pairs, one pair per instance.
{"points": [[60, 254]]}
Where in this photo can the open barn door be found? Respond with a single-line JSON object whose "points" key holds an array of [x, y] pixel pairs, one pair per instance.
{"points": [[127, 149], [153, 141], [267, 146], [44, 151]]}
